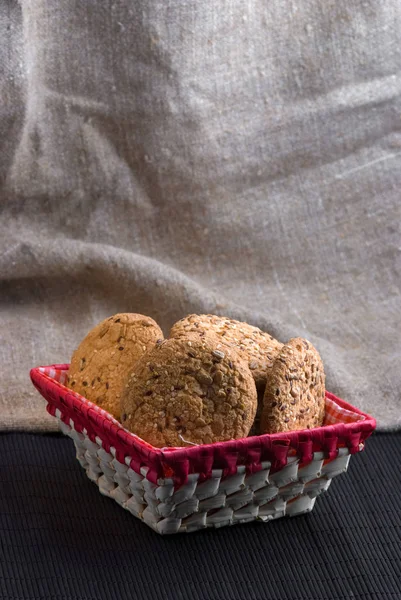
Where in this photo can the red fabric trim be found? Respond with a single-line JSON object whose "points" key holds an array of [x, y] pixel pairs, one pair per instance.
{"points": [[179, 462]]}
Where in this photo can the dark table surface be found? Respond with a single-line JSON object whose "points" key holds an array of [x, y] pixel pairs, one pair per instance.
{"points": [[60, 539]]}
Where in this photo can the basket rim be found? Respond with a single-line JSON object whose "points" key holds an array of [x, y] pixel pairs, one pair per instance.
{"points": [[179, 462]]}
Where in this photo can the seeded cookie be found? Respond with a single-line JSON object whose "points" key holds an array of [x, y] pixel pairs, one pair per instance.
{"points": [[257, 347], [103, 360], [255, 429], [189, 389], [295, 391]]}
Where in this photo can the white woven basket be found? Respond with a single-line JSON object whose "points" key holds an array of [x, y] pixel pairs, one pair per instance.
{"points": [[247, 488], [213, 503]]}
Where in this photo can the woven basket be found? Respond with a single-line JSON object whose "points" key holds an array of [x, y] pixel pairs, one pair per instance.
{"points": [[184, 489]]}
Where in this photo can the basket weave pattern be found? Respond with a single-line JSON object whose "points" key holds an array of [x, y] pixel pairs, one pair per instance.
{"points": [[182, 490]]}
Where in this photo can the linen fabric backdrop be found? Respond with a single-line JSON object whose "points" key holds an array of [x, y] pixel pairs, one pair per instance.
{"points": [[241, 157]]}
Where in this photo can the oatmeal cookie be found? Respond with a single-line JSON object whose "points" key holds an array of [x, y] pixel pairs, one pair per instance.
{"points": [[103, 360], [295, 391], [257, 347], [189, 389]]}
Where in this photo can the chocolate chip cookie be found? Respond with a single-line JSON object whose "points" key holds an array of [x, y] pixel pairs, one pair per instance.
{"points": [[295, 391], [257, 347], [189, 389], [103, 360]]}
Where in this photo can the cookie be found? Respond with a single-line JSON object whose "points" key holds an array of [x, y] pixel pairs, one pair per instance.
{"points": [[189, 389], [103, 360], [257, 347], [255, 429], [295, 391]]}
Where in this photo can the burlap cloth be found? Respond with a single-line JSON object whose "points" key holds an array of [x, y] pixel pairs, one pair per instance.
{"points": [[236, 156]]}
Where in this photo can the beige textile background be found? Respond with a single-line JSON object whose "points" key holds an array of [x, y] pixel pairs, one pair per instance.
{"points": [[173, 156]]}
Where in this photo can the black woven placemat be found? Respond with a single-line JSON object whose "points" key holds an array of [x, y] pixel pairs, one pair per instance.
{"points": [[61, 539]]}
